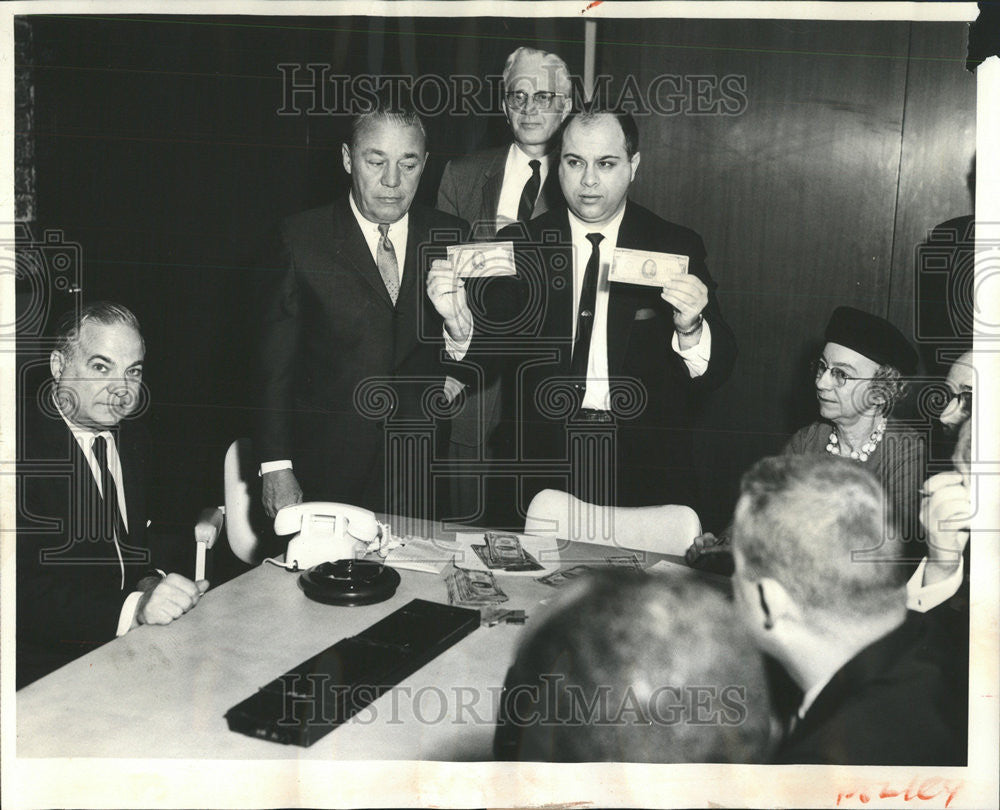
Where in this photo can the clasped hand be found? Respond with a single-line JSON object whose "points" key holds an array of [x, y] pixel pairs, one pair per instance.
{"points": [[169, 599]]}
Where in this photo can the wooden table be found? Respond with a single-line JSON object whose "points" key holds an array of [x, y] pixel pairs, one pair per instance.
{"points": [[163, 691]]}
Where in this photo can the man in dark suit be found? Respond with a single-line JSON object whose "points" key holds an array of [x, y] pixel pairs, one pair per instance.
{"points": [[592, 366], [84, 569], [348, 335], [869, 677], [492, 189]]}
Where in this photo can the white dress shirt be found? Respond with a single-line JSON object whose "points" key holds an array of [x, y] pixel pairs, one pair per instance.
{"points": [[85, 439], [921, 598], [397, 234], [695, 358], [515, 174]]}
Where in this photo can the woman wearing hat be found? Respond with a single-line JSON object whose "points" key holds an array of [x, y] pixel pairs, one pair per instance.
{"points": [[859, 376]]}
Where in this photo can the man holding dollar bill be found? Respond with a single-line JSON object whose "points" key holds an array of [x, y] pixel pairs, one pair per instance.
{"points": [[594, 335], [494, 188]]}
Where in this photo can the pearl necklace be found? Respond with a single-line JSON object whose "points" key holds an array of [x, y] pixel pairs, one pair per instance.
{"points": [[833, 446]]}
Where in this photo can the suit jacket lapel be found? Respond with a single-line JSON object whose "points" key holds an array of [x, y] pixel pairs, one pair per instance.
{"points": [[551, 196], [561, 316], [492, 182], [352, 249], [621, 308]]}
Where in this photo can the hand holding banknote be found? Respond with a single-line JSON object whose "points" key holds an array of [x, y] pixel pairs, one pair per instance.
{"points": [[684, 292], [688, 296], [447, 292]]}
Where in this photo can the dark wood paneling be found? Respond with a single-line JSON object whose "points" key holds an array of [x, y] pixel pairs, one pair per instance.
{"points": [[796, 196]]}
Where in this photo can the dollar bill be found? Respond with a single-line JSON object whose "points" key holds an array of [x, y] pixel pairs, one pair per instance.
{"points": [[482, 259], [625, 560], [564, 575], [473, 588], [645, 266]]}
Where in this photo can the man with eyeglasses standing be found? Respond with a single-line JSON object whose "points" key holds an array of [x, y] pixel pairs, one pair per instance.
{"points": [[495, 188]]}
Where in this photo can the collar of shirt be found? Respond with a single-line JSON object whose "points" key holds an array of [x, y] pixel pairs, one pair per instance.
{"points": [[397, 235], [85, 439], [515, 174], [810, 697], [518, 167], [598, 373], [582, 249]]}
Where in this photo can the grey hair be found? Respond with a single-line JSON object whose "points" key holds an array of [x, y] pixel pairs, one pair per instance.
{"points": [[547, 58], [67, 332]]}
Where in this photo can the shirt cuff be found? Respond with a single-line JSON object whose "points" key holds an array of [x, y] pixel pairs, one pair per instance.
{"points": [[696, 357], [127, 615], [274, 466], [921, 598], [456, 349]]}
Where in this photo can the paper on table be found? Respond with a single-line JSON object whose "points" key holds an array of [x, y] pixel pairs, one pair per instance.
{"points": [[422, 554], [645, 266], [545, 549]]}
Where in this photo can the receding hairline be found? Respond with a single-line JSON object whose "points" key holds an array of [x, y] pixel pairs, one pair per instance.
{"points": [[544, 59]]}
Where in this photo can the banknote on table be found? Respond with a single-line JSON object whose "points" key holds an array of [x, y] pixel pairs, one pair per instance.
{"points": [[645, 266], [505, 551], [625, 561], [564, 575], [482, 259], [469, 588]]}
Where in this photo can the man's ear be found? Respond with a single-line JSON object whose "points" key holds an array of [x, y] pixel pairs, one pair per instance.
{"points": [[775, 602], [56, 364], [345, 150], [635, 165]]}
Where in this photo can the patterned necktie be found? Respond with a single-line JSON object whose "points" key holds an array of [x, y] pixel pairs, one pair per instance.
{"points": [[529, 193], [388, 267], [111, 517], [585, 317]]}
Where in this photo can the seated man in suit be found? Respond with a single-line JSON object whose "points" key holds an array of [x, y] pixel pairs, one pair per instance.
{"points": [[601, 378], [84, 568], [348, 337], [495, 188], [631, 667], [872, 689]]}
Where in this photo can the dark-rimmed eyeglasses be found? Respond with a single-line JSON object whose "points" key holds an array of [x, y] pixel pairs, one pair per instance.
{"points": [[964, 400], [838, 375], [518, 99]]}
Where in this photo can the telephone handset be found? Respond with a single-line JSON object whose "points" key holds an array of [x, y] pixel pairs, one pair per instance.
{"points": [[327, 532]]}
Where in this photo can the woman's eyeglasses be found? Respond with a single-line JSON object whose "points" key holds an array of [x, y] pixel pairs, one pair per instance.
{"points": [[838, 375], [518, 99]]}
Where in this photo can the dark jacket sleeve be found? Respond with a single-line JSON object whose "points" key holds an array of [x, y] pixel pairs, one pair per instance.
{"points": [[277, 352]]}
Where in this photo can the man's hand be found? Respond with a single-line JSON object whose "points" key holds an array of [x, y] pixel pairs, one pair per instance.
{"points": [[447, 292], [945, 512], [169, 599], [281, 489], [688, 296]]}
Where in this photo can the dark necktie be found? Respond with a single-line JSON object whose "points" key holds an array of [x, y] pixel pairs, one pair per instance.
{"points": [[111, 521], [529, 193], [585, 316], [385, 259]]}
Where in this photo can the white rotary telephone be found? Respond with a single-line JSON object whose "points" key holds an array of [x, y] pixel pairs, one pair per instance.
{"points": [[327, 532]]}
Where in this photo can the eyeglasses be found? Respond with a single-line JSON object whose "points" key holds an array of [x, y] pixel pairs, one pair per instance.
{"points": [[838, 376], [964, 400], [518, 99]]}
